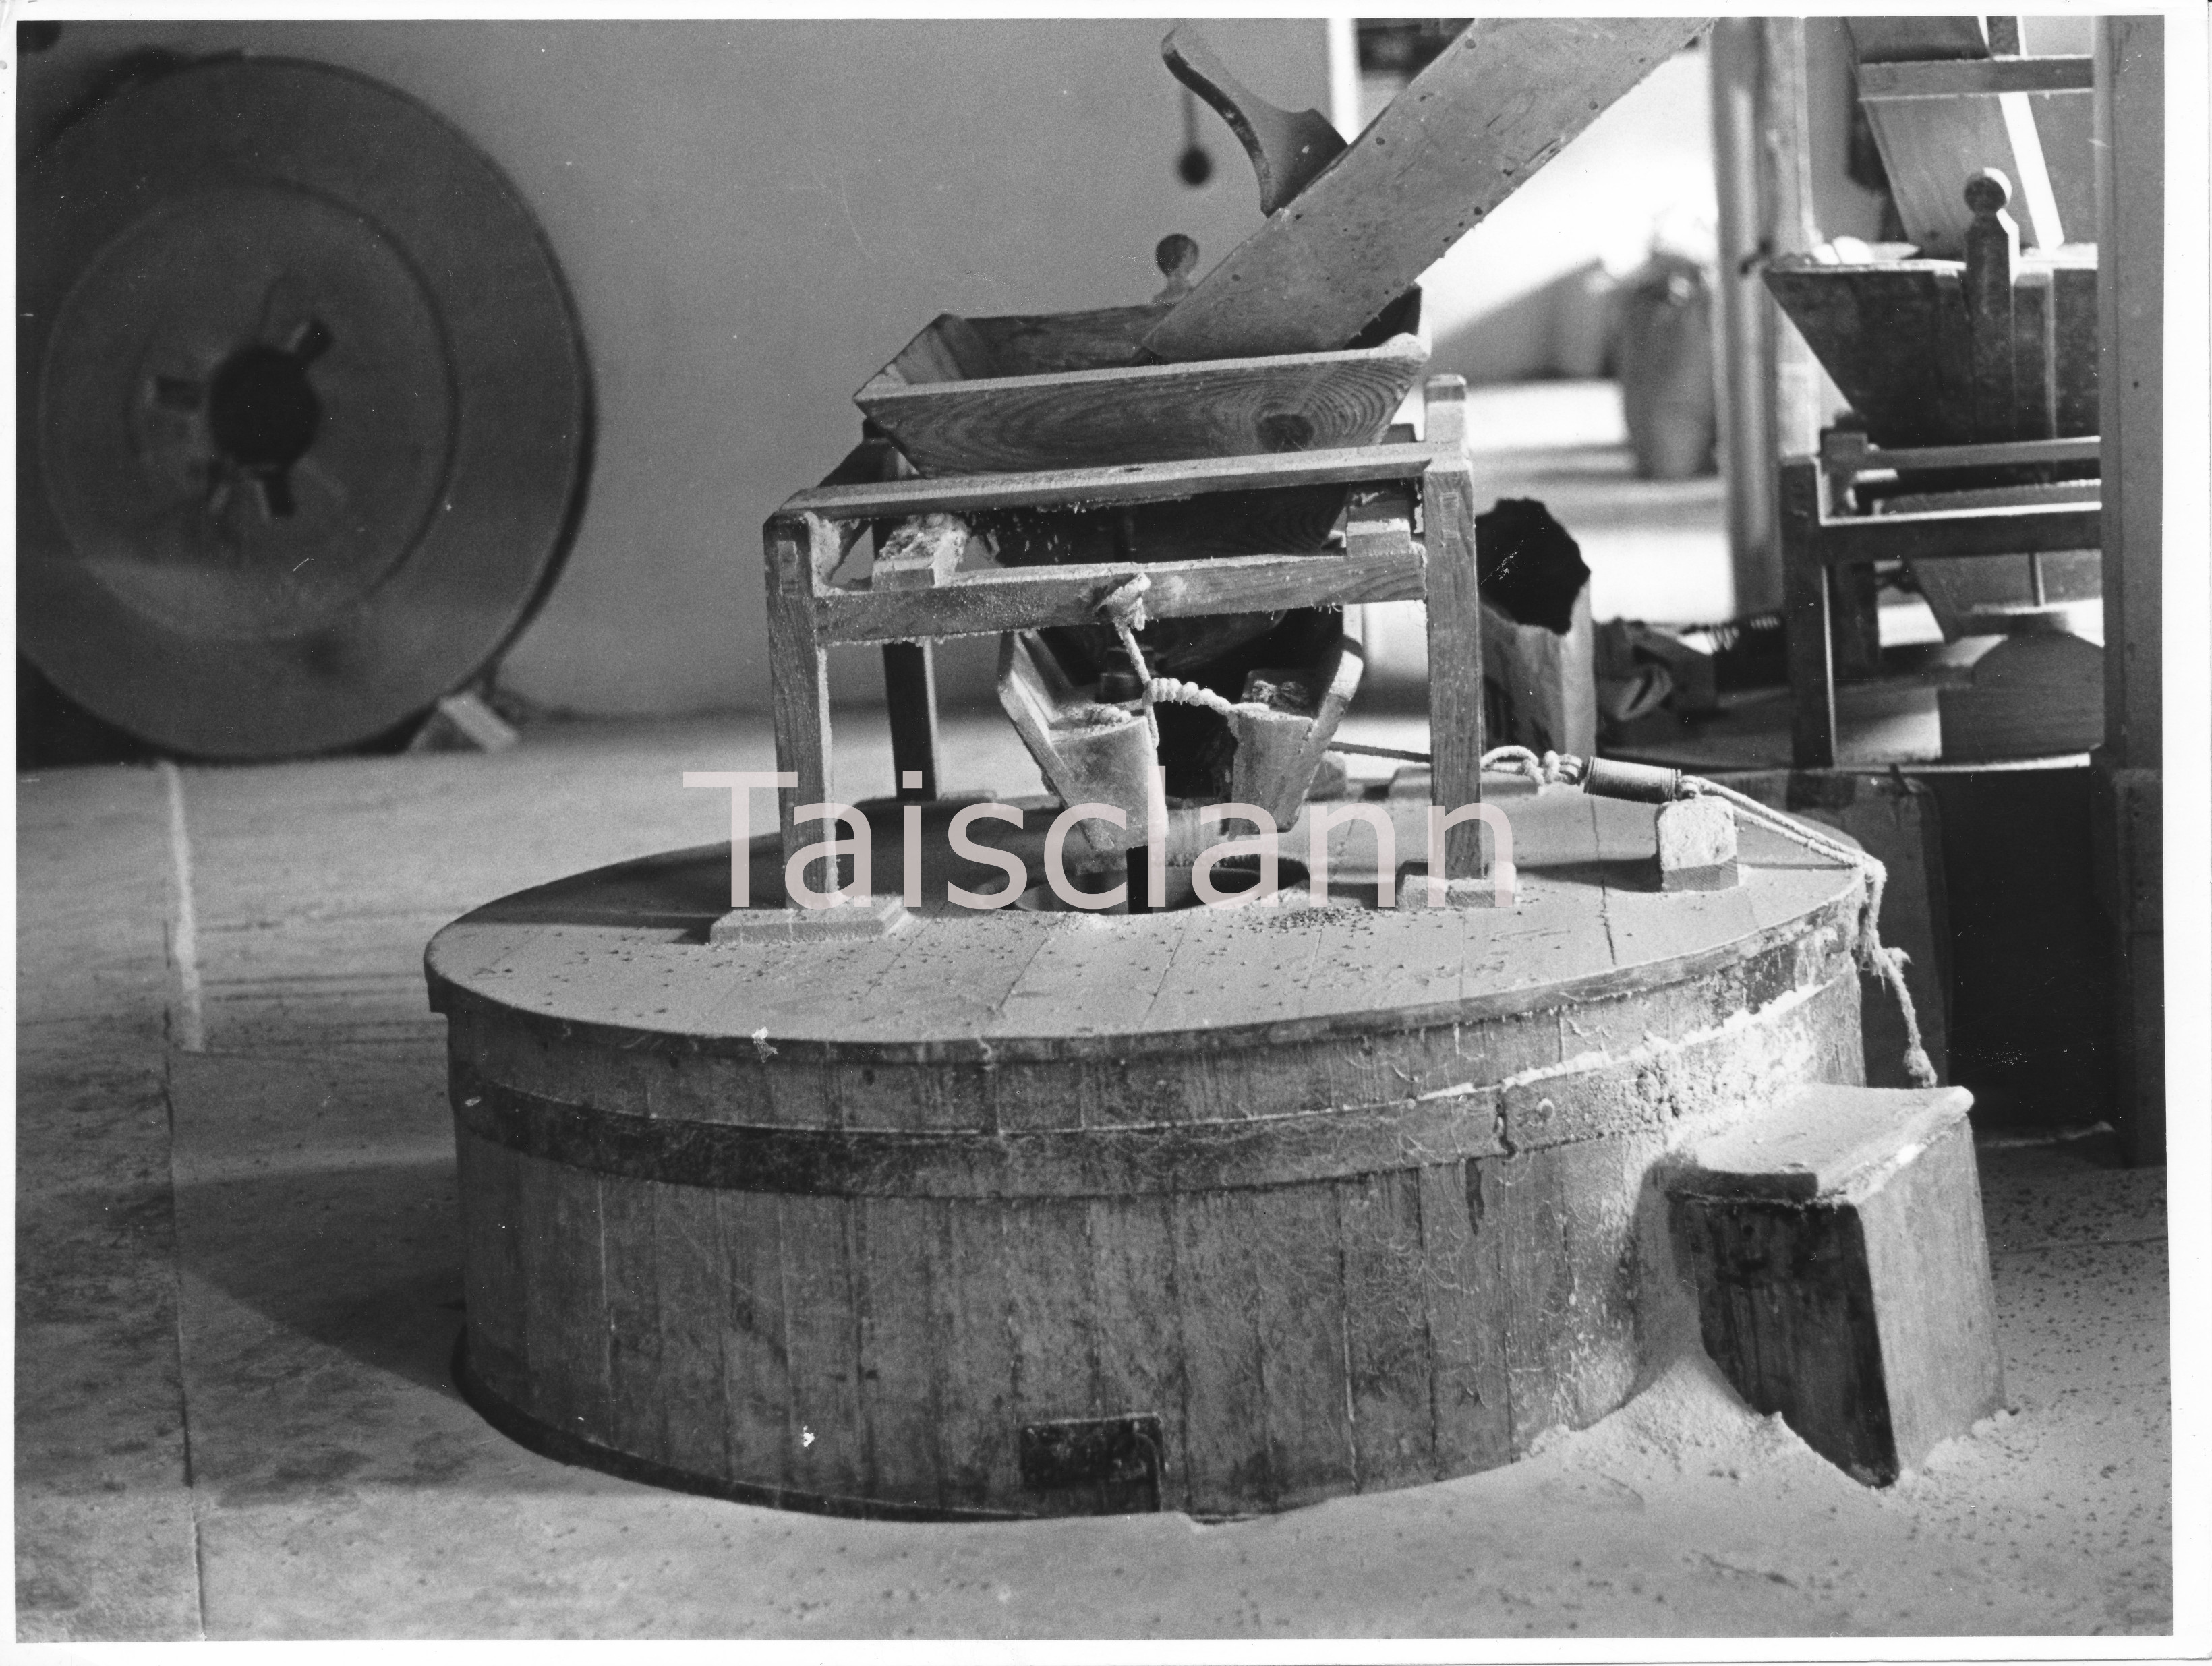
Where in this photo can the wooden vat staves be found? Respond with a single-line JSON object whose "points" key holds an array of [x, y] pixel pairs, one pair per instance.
{"points": [[1036, 1214]]}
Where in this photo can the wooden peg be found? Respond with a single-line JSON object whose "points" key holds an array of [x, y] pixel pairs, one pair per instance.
{"points": [[1443, 407], [1177, 259], [1287, 148]]}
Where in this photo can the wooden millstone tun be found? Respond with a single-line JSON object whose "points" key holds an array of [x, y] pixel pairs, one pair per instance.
{"points": [[1046, 1213]]}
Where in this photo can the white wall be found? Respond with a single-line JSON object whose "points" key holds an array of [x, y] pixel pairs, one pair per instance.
{"points": [[1646, 161], [755, 215]]}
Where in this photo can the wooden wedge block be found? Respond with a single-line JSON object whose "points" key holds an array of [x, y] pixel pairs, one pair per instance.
{"points": [[922, 552], [1088, 752], [1842, 1274], [1501, 101], [854, 917], [1696, 845], [1283, 728]]}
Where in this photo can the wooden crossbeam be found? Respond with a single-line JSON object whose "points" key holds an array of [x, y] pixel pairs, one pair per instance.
{"points": [[1136, 482], [2011, 530], [1986, 77], [1867, 459], [1031, 598]]}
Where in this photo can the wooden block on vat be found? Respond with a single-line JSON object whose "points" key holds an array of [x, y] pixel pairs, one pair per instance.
{"points": [[1842, 1274], [851, 917], [1696, 845]]}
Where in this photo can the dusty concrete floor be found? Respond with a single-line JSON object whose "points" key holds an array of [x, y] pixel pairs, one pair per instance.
{"points": [[237, 1290]]}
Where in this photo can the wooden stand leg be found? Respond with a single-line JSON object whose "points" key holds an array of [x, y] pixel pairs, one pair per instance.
{"points": [[798, 672], [1455, 713], [2131, 357], [1854, 623], [910, 696], [1805, 601]]}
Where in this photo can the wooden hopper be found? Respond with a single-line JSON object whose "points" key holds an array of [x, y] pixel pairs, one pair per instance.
{"points": [[1892, 336], [1897, 337], [1292, 342], [1057, 390]]}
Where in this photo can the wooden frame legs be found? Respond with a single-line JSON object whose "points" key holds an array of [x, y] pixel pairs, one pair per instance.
{"points": [[1456, 708], [1805, 598], [799, 671], [910, 700]]}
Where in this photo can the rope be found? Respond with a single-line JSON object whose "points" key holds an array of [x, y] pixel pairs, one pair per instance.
{"points": [[1552, 769], [1174, 693], [1884, 962], [1124, 608], [1887, 963]]}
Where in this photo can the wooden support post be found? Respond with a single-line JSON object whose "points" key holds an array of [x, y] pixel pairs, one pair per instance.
{"points": [[1992, 253], [1854, 622], [910, 700], [1786, 140], [1805, 619], [1455, 716], [2130, 116], [798, 672], [1843, 1273], [1746, 320], [1771, 386], [2035, 355]]}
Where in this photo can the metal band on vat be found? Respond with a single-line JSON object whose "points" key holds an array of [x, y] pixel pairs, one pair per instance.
{"points": [[1642, 1090], [1063, 1162]]}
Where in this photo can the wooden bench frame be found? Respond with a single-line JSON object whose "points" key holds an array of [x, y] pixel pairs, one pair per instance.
{"points": [[1387, 556], [1821, 533]]}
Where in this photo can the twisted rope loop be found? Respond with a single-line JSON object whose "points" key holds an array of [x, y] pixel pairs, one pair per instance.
{"points": [[1123, 608], [1172, 692], [1552, 769]]}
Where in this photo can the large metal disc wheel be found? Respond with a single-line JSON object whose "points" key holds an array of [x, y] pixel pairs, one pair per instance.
{"points": [[304, 413]]}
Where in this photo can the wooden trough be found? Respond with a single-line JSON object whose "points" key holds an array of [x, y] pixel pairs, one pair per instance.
{"points": [[1058, 391], [1023, 1214], [1898, 338]]}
